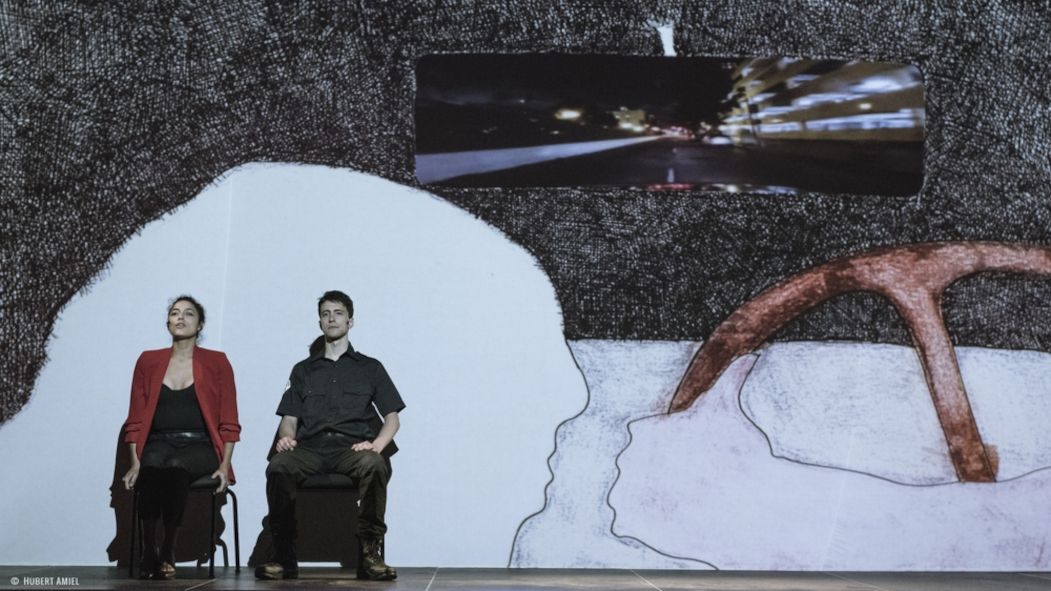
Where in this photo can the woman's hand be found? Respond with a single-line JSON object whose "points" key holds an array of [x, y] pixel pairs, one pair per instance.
{"points": [[131, 476], [223, 474]]}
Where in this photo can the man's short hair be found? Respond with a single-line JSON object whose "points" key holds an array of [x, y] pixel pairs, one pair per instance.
{"points": [[339, 297]]}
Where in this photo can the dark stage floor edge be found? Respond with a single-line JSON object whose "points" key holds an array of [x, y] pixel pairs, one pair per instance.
{"points": [[485, 579]]}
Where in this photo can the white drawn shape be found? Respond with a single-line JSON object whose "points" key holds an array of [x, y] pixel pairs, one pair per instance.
{"points": [[626, 380], [703, 483], [866, 407]]}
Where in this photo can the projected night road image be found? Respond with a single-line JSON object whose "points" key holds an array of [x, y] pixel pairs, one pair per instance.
{"points": [[767, 125]]}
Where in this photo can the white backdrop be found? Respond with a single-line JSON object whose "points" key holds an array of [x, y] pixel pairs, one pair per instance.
{"points": [[466, 324], [805, 456]]}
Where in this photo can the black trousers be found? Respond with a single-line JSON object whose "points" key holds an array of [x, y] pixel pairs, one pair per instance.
{"points": [[319, 455], [167, 469]]}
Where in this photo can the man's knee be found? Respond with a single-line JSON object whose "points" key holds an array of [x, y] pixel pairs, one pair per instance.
{"points": [[281, 466], [372, 464]]}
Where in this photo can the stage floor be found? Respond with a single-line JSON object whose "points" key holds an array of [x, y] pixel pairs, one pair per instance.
{"points": [[478, 579]]}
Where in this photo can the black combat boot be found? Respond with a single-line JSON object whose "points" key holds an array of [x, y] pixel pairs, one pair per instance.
{"points": [[284, 565], [372, 566]]}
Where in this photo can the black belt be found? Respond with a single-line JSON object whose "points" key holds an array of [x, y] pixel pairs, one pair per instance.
{"points": [[180, 436], [333, 434]]}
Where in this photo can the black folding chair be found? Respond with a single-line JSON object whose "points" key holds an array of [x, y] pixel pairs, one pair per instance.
{"points": [[205, 484]]}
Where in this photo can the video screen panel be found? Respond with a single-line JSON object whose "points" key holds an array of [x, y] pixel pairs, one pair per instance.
{"points": [[762, 125]]}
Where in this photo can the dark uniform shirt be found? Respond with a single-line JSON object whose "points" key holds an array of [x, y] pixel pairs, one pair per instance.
{"points": [[341, 396]]}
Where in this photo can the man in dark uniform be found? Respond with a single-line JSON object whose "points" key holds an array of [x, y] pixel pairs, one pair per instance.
{"points": [[326, 410]]}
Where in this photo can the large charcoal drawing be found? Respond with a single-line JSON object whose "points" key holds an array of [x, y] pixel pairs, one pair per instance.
{"points": [[114, 114]]}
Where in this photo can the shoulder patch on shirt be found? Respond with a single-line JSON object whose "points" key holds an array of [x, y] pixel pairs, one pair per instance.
{"points": [[288, 385]]}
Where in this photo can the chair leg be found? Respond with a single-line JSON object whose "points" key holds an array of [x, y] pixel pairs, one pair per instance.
{"points": [[211, 543], [134, 526], [237, 534]]}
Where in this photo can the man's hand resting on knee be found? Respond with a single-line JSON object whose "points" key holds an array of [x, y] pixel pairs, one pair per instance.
{"points": [[365, 446], [285, 444]]}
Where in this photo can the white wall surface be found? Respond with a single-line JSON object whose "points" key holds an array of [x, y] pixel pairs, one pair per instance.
{"points": [[465, 322], [820, 456]]}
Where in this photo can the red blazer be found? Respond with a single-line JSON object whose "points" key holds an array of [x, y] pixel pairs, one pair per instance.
{"points": [[213, 380]]}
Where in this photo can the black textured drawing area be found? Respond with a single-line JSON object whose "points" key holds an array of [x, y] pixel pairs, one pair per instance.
{"points": [[115, 113]]}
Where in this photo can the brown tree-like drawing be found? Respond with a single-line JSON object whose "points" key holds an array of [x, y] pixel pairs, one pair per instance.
{"points": [[914, 279]]}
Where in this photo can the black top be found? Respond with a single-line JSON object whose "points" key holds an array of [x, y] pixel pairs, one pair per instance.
{"points": [[341, 396], [178, 410]]}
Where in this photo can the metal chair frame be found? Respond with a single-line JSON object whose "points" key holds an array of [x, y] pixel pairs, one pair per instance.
{"points": [[201, 485]]}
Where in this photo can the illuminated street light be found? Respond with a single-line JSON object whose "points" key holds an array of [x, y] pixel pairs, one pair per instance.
{"points": [[568, 114]]}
